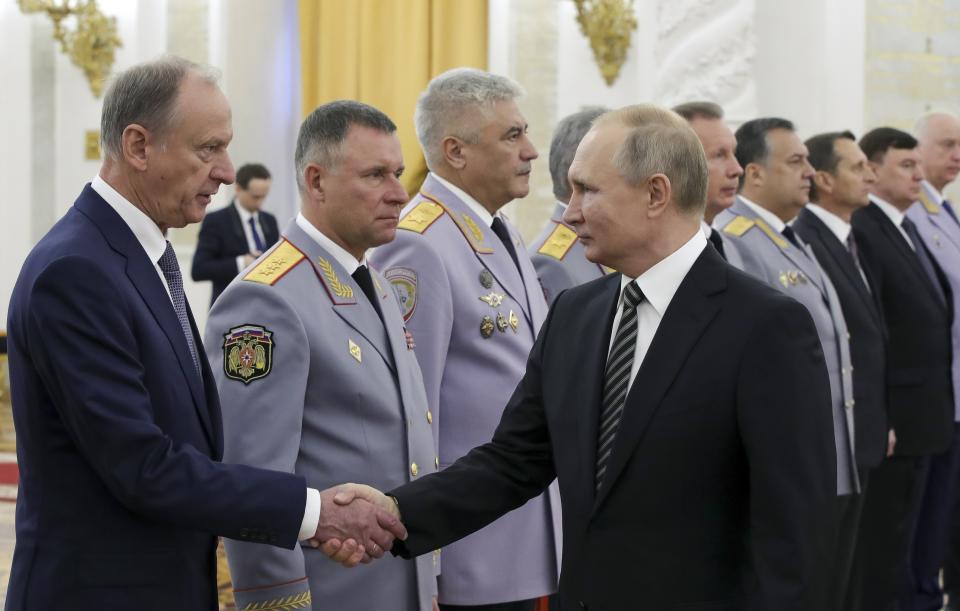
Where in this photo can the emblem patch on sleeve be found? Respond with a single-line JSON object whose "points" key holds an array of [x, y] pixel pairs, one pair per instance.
{"points": [[247, 353], [404, 281]]}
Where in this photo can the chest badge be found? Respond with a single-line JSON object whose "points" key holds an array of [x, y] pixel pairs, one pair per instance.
{"points": [[354, 350], [493, 299], [486, 327], [486, 279]]}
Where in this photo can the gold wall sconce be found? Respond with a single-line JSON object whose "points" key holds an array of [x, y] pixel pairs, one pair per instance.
{"points": [[608, 24]]}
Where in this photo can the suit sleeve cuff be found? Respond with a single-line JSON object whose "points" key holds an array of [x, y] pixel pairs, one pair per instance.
{"points": [[311, 515]]}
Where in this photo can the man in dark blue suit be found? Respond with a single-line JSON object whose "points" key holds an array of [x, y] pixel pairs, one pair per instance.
{"points": [[232, 237], [118, 422]]}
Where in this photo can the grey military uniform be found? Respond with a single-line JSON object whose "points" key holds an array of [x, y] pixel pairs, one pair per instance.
{"points": [[559, 257], [312, 381], [766, 254]]}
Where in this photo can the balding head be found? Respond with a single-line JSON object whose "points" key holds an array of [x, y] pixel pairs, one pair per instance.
{"points": [[939, 136]]}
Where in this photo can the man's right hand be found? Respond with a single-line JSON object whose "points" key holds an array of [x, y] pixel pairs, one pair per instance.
{"points": [[357, 530]]}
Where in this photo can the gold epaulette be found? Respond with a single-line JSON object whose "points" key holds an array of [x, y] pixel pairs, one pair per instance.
{"points": [[931, 207], [422, 216], [464, 222], [738, 226], [558, 244], [275, 264], [775, 236]]}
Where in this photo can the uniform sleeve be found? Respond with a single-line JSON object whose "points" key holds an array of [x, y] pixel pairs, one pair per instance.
{"points": [[786, 423], [262, 417], [86, 346], [431, 319]]}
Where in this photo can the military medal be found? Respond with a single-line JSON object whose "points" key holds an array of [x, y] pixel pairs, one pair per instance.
{"points": [[514, 321], [486, 279], [501, 322], [784, 280], [493, 299], [409, 337], [793, 277], [354, 350], [486, 327]]}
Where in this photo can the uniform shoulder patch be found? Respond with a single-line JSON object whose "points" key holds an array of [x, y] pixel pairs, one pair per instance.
{"points": [[928, 204], [775, 236], [465, 223], [275, 264], [738, 226], [421, 217], [559, 243], [404, 282], [247, 353]]}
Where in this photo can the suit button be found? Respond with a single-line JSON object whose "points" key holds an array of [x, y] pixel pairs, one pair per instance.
{"points": [[436, 462], [848, 335], [413, 469], [429, 417], [849, 403]]}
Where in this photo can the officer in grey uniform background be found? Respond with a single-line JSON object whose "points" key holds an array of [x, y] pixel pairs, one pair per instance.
{"points": [[315, 370], [557, 253], [471, 298], [775, 187]]}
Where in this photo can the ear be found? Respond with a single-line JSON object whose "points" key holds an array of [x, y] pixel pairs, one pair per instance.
{"points": [[823, 181], [134, 144], [314, 180], [660, 191], [453, 152], [753, 173]]}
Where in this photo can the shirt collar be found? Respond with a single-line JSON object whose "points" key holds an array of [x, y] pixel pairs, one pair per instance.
{"points": [[471, 203], [144, 229], [660, 283], [706, 229], [889, 209], [771, 219], [834, 223], [935, 195], [345, 259], [245, 215]]}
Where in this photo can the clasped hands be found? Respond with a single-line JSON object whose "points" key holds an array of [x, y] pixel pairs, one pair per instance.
{"points": [[357, 524]]}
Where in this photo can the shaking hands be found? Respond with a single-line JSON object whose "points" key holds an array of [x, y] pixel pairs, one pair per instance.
{"points": [[357, 524]]}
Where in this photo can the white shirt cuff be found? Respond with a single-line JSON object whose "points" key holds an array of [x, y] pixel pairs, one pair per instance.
{"points": [[311, 515], [240, 265]]}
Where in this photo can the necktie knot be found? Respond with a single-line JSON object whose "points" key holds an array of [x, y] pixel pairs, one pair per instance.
{"points": [[632, 295], [791, 235], [168, 261], [362, 277]]}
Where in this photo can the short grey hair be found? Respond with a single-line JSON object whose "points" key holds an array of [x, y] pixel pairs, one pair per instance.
{"points": [[443, 107], [699, 110], [662, 142], [566, 138], [146, 95], [920, 127], [322, 133]]}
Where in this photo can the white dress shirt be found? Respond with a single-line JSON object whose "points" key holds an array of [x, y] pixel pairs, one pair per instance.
{"points": [[659, 284], [839, 228], [345, 259], [245, 216], [768, 217], [154, 244], [471, 203], [895, 216]]}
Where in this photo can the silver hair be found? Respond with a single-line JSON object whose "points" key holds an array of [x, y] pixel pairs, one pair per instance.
{"points": [[443, 107], [566, 138], [146, 95], [920, 127]]}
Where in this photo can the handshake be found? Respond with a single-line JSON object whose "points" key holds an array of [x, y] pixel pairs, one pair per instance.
{"points": [[357, 524]]}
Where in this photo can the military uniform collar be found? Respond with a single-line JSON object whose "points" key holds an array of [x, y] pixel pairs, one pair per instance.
{"points": [[935, 195], [834, 223], [142, 226], [771, 219], [347, 261], [482, 213]]}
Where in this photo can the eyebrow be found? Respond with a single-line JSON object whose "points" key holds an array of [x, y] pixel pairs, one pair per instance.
{"points": [[516, 129]]}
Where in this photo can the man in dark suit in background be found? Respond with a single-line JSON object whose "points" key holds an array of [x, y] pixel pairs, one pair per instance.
{"points": [[914, 299], [841, 185], [119, 435], [683, 406], [232, 237]]}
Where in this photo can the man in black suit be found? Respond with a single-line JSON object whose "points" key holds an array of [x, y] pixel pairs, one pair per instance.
{"points": [[840, 186], [909, 285], [683, 406], [232, 237]]}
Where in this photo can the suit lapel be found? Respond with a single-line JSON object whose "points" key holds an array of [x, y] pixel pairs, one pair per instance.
{"points": [[346, 296], [236, 225], [682, 325], [903, 247], [146, 279]]}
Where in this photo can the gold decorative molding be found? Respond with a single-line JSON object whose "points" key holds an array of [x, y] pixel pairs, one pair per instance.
{"points": [[608, 24], [91, 45]]}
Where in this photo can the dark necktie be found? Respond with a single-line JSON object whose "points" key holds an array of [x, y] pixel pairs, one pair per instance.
{"points": [[791, 235], [855, 255], [171, 271], [717, 241], [362, 277], [616, 377], [925, 261], [257, 240], [949, 208], [500, 229]]}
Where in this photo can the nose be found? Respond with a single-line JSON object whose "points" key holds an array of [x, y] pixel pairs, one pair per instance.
{"points": [[397, 194], [733, 169], [573, 214], [528, 152], [223, 171], [869, 176], [808, 170]]}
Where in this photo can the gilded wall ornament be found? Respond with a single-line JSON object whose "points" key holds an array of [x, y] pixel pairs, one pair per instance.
{"points": [[91, 45], [608, 24]]}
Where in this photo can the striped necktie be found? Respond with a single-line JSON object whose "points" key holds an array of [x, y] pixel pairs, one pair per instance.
{"points": [[616, 377], [171, 271]]}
